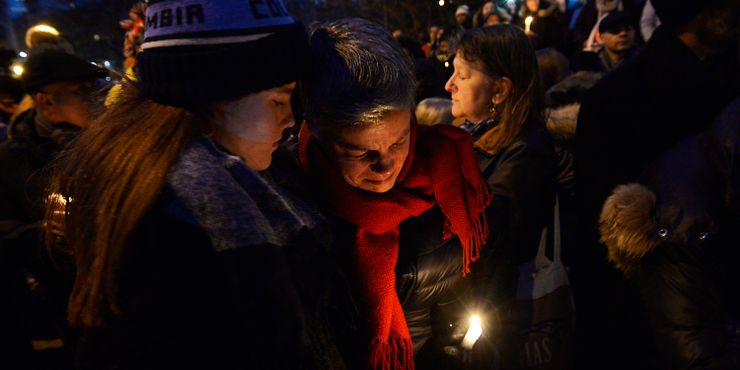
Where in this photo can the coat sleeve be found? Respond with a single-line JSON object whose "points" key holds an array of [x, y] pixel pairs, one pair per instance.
{"points": [[686, 313]]}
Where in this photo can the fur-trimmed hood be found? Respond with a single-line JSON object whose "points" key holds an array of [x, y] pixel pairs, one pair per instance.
{"points": [[627, 225], [681, 197], [562, 121]]}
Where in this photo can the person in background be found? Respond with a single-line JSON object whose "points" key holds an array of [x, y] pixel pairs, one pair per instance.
{"points": [[480, 16], [628, 120], [430, 47], [463, 21], [185, 255], [11, 94], [674, 235], [586, 31], [553, 67], [434, 111], [496, 88], [407, 200], [60, 85], [544, 30], [618, 46]]}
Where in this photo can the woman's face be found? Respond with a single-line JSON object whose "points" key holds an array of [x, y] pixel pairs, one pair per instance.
{"points": [[472, 91], [370, 157], [251, 126]]}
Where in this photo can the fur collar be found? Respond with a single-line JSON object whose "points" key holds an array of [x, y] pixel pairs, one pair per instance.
{"points": [[561, 122], [627, 225]]}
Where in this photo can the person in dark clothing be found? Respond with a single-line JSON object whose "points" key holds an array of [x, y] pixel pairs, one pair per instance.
{"points": [[545, 29], [675, 235], [618, 46], [186, 256], [11, 94], [60, 86], [627, 121], [407, 200], [496, 88]]}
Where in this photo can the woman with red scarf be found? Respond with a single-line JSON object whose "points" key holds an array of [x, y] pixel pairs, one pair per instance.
{"points": [[407, 200]]}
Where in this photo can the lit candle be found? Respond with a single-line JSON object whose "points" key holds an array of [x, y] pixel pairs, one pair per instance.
{"points": [[528, 24], [473, 333]]}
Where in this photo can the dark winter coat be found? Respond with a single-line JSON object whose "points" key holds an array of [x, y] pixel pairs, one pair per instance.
{"points": [[429, 280], [523, 179], [225, 272], [676, 236], [627, 121], [38, 285]]}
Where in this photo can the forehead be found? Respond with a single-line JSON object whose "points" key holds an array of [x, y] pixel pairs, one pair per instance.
{"points": [[393, 127]]}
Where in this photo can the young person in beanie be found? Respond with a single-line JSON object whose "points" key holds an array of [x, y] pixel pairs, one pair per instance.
{"points": [[408, 200], [181, 246]]}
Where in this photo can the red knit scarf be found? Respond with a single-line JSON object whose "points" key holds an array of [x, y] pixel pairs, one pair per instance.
{"points": [[440, 169]]}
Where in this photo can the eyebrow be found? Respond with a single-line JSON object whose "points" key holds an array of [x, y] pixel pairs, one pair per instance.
{"points": [[361, 148]]}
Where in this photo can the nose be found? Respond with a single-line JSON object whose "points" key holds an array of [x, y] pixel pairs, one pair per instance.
{"points": [[383, 165], [289, 120], [449, 85]]}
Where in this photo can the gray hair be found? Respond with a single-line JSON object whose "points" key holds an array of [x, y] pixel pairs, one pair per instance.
{"points": [[359, 73]]}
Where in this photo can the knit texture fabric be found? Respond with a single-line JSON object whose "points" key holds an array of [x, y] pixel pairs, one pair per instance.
{"points": [[196, 52]]}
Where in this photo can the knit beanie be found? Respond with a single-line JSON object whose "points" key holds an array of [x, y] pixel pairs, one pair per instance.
{"points": [[201, 51]]}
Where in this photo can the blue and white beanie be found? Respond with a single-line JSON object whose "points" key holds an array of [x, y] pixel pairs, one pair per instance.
{"points": [[200, 51]]}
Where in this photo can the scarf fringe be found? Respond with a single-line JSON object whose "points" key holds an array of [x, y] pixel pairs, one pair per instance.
{"points": [[480, 230], [395, 354]]}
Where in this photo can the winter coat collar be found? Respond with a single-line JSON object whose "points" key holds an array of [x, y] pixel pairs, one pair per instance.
{"points": [[683, 197], [236, 206]]}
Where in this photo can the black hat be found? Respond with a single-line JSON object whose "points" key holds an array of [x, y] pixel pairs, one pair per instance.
{"points": [[614, 21], [49, 66], [196, 52]]}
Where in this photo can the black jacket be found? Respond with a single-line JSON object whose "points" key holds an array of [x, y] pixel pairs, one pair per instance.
{"points": [[676, 237], [628, 120], [38, 284], [429, 280], [203, 288], [523, 179]]}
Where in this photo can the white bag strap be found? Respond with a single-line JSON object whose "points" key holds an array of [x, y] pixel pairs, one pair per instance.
{"points": [[541, 259]]}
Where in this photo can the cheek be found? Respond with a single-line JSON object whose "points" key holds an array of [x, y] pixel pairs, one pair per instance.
{"points": [[351, 170]]}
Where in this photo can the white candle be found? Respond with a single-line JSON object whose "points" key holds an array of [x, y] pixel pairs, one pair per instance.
{"points": [[474, 332], [528, 24]]}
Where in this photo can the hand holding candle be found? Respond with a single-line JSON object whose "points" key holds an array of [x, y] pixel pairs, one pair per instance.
{"points": [[528, 24], [474, 332]]}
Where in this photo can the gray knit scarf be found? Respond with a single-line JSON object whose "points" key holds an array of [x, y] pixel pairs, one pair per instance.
{"points": [[236, 206]]}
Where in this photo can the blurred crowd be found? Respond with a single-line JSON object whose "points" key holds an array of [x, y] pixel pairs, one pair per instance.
{"points": [[545, 184]]}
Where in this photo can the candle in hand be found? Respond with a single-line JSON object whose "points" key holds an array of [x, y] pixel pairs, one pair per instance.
{"points": [[473, 333], [528, 24]]}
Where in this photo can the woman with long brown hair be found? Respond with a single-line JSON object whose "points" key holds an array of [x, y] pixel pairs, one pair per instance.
{"points": [[496, 88], [180, 244]]}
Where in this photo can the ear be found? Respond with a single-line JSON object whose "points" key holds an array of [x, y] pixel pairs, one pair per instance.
{"points": [[502, 88], [45, 105]]}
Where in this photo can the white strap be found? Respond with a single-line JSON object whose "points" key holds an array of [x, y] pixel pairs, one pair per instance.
{"points": [[541, 260]]}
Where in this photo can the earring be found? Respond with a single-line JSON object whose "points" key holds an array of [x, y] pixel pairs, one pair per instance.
{"points": [[493, 112]]}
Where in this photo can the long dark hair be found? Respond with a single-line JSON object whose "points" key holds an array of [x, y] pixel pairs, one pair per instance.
{"points": [[505, 51], [110, 177]]}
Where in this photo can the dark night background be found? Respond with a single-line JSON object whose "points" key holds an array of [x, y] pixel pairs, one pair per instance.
{"points": [[92, 25]]}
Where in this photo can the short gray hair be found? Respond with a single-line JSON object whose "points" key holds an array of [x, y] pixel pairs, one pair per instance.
{"points": [[359, 73]]}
